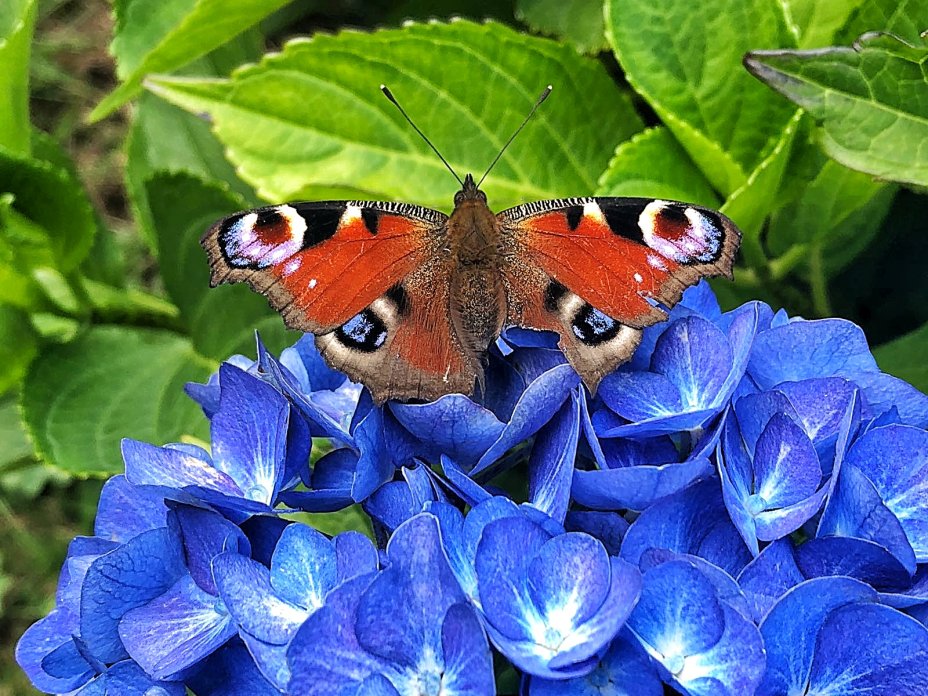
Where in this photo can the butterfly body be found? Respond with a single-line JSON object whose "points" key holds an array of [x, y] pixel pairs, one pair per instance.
{"points": [[407, 300]]}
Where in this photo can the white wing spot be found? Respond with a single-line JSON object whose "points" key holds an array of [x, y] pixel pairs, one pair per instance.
{"points": [[312, 283], [592, 210], [638, 278], [293, 265], [657, 262], [352, 213]]}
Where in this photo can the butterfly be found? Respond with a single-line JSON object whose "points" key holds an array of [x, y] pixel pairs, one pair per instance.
{"points": [[407, 300]]}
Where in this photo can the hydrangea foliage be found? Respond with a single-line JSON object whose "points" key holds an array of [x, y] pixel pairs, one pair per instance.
{"points": [[739, 510]]}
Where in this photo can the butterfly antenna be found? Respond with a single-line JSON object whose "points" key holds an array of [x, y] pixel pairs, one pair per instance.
{"points": [[389, 95], [544, 95]]}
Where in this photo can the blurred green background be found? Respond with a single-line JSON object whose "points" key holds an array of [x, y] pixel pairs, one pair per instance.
{"points": [[126, 129]]}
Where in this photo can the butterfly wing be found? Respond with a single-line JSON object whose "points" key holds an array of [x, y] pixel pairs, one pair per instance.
{"points": [[367, 278], [594, 269]]}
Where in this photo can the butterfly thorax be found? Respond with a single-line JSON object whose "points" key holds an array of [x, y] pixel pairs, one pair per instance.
{"points": [[478, 297]]}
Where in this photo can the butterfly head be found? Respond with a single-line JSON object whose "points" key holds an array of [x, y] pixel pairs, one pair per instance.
{"points": [[469, 192]]}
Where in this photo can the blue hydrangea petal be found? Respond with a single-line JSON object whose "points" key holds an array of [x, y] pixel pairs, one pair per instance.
{"points": [[786, 466], [249, 434], [638, 396], [619, 453], [304, 567], [693, 521], [870, 649], [806, 349], [608, 527], [696, 357], [774, 524], [678, 613], [148, 465], [791, 628], [855, 509], [400, 613], [913, 596], [537, 405], [270, 659], [127, 679], [460, 553], [325, 655], [355, 555], [205, 534], [53, 634], [895, 460], [767, 578], [328, 416], [734, 665], [374, 468], [624, 670], [468, 661], [175, 630], [308, 366], [454, 425], [250, 598], [125, 511], [635, 487], [506, 546], [663, 425], [207, 395], [820, 404], [551, 464], [127, 577], [860, 559], [740, 325], [374, 685], [885, 392], [230, 671], [754, 411], [471, 492]]}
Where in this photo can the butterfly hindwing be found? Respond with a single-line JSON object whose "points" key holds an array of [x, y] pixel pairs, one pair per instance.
{"points": [[594, 269], [365, 277]]}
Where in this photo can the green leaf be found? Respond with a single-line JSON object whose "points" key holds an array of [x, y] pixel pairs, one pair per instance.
{"points": [[750, 205], [17, 19], [163, 36], [653, 165], [18, 346], [684, 58], [907, 19], [815, 23], [872, 102], [578, 21], [23, 246], [14, 445], [839, 209], [81, 398], [907, 357], [220, 321], [312, 120], [52, 199]]}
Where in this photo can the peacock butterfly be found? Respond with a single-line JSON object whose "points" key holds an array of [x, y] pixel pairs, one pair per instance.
{"points": [[406, 300]]}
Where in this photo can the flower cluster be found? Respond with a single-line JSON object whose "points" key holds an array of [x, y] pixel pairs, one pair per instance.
{"points": [[738, 510]]}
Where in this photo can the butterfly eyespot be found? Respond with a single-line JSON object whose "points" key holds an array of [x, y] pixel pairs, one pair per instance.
{"points": [[262, 238], [365, 332], [684, 234], [593, 327]]}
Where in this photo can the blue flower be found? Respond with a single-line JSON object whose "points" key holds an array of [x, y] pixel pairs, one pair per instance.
{"points": [[828, 635], [773, 477], [702, 643], [270, 605], [550, 600], [407, 629]]}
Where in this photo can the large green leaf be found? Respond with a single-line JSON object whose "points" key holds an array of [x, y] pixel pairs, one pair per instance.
{"points": [[815, 23], [81, 398], [17, 346], [17, 18], [907, 19], [653, 165], [839, 209], [165, 35], [578, 21], [51, 198], [311, 121], [907, 357], [684, 58], [872, 102], [220, 321]]}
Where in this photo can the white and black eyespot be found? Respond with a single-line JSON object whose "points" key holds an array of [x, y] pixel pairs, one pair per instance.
{"points": [[364, 332], [681, 233], [263, 237], [592, 327]]}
